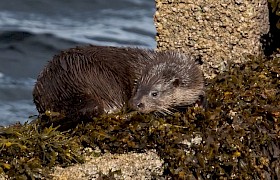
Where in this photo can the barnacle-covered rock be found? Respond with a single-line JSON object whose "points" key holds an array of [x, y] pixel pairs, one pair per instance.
{"points": [[218, 31]]}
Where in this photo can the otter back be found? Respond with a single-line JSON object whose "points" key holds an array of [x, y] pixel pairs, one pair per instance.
{"points": [[88, 81]]}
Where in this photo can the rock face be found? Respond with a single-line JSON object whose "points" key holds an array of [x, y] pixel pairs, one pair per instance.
{"points": [[217, 31], [131, 166]]}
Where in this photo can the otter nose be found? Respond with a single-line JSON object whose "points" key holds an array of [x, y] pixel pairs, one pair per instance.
{"points": [[140, 105]]}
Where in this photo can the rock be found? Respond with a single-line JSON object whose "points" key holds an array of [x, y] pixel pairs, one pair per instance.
{"points": [[219, 32]]}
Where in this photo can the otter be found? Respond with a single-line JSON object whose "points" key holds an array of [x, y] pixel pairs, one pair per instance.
{"points": [[84, 82], [171, 80], [88, 81]]}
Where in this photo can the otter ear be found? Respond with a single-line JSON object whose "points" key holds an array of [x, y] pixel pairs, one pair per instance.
{"points": [[176, 82]]}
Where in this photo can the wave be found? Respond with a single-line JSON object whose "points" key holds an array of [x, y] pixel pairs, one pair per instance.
{"points": [[31, 33]]}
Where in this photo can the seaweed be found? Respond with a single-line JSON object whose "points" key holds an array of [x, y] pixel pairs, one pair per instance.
{"points": [[239, 132], [26, 152], [236, 137], [275, 8]]}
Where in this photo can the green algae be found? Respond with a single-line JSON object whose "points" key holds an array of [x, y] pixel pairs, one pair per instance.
{"points": [[236, 137]]}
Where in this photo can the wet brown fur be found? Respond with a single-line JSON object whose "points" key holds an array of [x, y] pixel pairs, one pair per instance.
{"points": [[83, 82], [88, 81]]}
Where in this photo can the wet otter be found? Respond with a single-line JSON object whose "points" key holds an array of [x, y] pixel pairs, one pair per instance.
{"points": [[83, 82], [171, 80], [88, 81]]}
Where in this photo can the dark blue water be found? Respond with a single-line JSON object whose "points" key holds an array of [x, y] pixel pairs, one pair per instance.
{"points": [[32, 31]]}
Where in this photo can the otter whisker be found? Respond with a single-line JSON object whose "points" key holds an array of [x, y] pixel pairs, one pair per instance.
{"points": [[157, 113], [172, 109], [166, 111]]}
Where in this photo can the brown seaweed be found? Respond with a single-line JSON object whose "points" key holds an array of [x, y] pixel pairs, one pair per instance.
{"points": [[236, 137]]}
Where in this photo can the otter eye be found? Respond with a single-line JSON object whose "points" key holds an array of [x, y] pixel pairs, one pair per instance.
{"points": [[154, 94]]}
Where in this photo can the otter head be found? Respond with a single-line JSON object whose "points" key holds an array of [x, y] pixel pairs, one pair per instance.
{"points": [[171, 80]]}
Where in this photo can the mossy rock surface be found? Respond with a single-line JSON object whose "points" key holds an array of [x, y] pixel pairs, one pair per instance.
{"points": [[237, 136]]}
